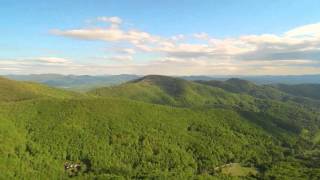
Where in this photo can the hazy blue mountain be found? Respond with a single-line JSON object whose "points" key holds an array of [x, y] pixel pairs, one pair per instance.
{"points": [[75, 82], [88, 82], [306, 90], [296, 79]]}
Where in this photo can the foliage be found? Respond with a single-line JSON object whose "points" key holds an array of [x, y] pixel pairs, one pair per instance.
{"points": [[154, 128]]}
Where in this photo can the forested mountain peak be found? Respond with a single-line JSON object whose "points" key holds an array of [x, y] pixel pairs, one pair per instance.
{"points": [[160, 80], [239, 81], [233, 84]]}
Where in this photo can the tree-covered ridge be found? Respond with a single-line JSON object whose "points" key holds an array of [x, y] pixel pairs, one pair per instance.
{"points": [[156, 127], [246, 87], [16, 91], [305, 90], [234, 94], [172, 91], [286, 93], [119, 138]]}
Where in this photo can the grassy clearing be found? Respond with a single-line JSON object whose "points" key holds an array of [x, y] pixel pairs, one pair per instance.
{"points": [[235, 169]]}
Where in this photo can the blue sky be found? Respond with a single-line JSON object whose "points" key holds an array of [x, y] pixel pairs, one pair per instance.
{"points": [[110, 37]]}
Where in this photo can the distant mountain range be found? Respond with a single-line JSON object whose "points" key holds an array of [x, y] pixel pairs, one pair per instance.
{"points": [[87, 82], [285, 79], [74, 82]]}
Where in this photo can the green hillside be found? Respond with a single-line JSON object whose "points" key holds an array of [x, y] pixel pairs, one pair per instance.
{"points": [[173, 91], [283, 93], [119, 138], [246, 87], [182, 93], [156, 127], [305, 90], [16, 91]]}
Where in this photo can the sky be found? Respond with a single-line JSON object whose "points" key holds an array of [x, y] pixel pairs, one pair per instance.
{"points": [[182, 37]]}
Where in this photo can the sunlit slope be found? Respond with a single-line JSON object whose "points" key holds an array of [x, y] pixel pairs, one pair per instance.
{"points": [[16, 91], [196, 129], [305, 94], [246, 98], [120, 138], [173, 91], [246, 87]]}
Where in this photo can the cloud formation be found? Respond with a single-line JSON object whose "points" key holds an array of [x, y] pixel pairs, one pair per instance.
{"points": [[300, 42], [167, 66], [52, 60], [113, 20], [296, 51]]}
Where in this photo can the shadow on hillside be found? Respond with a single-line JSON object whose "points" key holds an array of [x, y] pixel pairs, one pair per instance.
{"points": [[270, 124]]}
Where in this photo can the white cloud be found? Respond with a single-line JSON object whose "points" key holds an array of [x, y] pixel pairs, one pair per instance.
{"points": [[113, 20], [311, 30], [168, 66], [254, 54], [178, 37], [52, 60], [203, 36], [126, 51], [296, 39], [121, 58], [110, 34]]}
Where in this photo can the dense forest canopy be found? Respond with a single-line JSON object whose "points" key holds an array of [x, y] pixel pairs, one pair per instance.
{"points": [[160, 127]]}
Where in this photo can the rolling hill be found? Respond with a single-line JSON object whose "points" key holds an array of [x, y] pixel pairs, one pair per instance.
{"points": [[75, 82], [172, 91], [120, 138], [182, 93], [16, 91], [305, 90], [306, 96], [156, 127], [240, 86]]}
